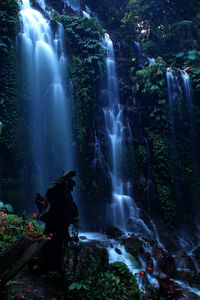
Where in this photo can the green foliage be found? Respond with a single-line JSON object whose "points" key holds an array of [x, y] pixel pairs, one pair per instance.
{"points": [[152, 92], [83, 43], [1, 127], [151, 80], [11, 190], [195, 77], [162, 175], [190, 58], [9, 104], [161, 26], [168, 206], [128, 161], [110, 12], [10, 101], [141, 159], [12, 227], [9, 24], [114, 282]]}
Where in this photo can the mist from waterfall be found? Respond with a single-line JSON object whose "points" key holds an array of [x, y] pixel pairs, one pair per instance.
{"points": [[49, 99]]}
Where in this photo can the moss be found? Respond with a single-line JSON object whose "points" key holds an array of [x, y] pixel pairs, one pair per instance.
{"points": [[129, 162], [11, 141], [153, 95], [9, 24], [162, 175], [83, 43], [96, 279], [141, 159], [9, 113]]}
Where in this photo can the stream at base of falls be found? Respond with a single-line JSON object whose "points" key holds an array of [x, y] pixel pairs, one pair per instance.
{"points": [[146, 274]]}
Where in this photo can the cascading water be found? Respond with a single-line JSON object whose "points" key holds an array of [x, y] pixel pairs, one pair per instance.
{"points": [[140, 55], [98, 155], [151, 60], [114, 128], [174, 91], [188, 91], [123, 211], [191, 114], [74, 4], [86, 14], [133, 94], [49, 108]]}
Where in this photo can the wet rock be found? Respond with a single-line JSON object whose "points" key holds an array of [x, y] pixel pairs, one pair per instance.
{"points": [[82, 237], [196, 254], [113, 232], [57, 5], [147, 257], [132, 109], [142, 181], [165, 261], [188, 276], [186, 261], [133, 245], [84, 256], [118, 250]]}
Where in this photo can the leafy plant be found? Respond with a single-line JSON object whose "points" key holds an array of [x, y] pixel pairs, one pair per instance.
{"points": [[12, 226], [115, 282]]}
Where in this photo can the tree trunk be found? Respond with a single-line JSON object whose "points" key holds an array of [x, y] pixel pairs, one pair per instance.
{"points": [[14, 259]]}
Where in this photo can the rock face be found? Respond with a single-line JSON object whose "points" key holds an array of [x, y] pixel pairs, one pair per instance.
{"points": [[57, 5], [165, 261], [113, 232], [62, 212], [85, 256], [133, 245]]}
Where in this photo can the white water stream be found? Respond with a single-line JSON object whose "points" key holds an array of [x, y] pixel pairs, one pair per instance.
{"points": [[49, 106]]}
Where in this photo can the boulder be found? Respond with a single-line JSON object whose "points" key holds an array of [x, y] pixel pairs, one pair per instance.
{"points": [[118, 250], [165, 261], [113, 232], [133, 245]]}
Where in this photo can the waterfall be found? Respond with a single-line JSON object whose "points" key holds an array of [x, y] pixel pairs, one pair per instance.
{"points": [[74, 4], [173, 89], [86, 14], [133, 94], [98, 155], [123, 211], [140, 55], [114, 129], [173, 93], [151, 60], [191, 113], [48, 100]]}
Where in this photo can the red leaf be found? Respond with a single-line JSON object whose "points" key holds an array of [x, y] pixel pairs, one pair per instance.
{"points": [[34, 216], [28, 288], [142, 273]]}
